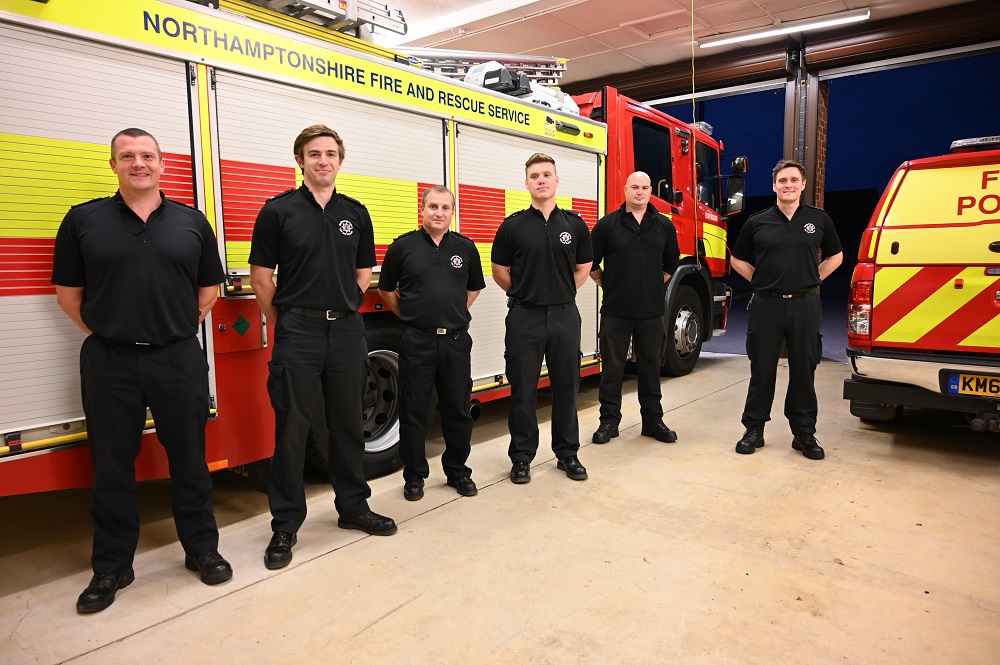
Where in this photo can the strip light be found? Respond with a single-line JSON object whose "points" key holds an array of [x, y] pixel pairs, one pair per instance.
{"points": [[793, 26]]}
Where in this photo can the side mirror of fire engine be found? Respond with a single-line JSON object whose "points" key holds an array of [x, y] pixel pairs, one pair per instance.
{"points": [[739, 165], [735, 190]]}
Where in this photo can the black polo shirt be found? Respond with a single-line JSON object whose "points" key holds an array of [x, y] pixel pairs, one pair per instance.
{"points": [[542, 255], [434, 280], [316, 250], [140, 279], [635, 257], [785, 252]]}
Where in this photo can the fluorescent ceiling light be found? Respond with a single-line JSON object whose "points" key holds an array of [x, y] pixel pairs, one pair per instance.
{"points": [[786, 28]]}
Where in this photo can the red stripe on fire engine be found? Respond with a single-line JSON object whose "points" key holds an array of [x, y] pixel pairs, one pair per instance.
{"points": [[26, 266], [969, 318], [915, 290], [245, 189], [482, 210], [177, 181], [380, 253], [587, 209]]}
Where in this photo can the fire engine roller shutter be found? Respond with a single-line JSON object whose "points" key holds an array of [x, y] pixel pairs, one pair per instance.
{"points": [[63, 99], [491, 186], [391, 155]]}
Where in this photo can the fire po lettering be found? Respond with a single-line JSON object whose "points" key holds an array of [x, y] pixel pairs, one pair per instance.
{"points": [[988, 204]]}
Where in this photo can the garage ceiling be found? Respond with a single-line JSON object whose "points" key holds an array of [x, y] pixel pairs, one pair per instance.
{"points": [[607, 38]]}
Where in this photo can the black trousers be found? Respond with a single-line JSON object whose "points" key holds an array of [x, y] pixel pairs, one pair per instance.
{"points": [[551, 332], [119, 381], [647, 343], [427, 361], [317, 366], [797, 321]]}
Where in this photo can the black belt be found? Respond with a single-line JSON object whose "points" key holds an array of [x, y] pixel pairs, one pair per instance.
{"points": [[441, 331], [779, 294], [328, 314], [513, 302]]}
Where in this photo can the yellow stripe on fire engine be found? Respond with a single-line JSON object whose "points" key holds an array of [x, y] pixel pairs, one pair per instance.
{"points": [[238, 253], [206, 166], [958, 244], [887, 280], [36, 188], [939, 306], [987, 336], [392, 204], [219, 39], [485, 249], [715, 241]]}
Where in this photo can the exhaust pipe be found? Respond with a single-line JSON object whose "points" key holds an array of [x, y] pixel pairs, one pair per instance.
{"points": [[475, 409]]}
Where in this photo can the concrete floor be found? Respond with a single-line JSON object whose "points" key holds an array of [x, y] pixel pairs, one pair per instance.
{"points": [[885, 552]]}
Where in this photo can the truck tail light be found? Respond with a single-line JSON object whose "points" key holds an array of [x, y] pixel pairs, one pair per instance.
{"points": [[859, 307]]}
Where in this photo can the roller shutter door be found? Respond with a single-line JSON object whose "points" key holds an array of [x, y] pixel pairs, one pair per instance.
{"points": [[63, 99], [490, 173], [391, 156]]}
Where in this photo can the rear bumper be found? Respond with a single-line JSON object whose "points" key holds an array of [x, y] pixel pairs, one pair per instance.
{"points": [[894, 382]]}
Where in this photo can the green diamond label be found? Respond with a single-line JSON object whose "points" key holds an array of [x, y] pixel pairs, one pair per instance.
{"points": [[241, 325]]}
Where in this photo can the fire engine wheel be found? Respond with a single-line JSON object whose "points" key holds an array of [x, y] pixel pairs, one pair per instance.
{"points": [[684, 323], [381, 404]]}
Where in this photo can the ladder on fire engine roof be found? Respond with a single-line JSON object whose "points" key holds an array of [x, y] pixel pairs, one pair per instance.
{"points": [[543, 70], [340, 15]]}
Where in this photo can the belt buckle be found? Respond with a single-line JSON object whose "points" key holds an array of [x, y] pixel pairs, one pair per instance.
{"points": [[328, 317], [787, 295], [441, 331]]}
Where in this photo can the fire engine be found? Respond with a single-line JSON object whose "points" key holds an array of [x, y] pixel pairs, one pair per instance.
{"points": [[225, 90], [924, 308]]}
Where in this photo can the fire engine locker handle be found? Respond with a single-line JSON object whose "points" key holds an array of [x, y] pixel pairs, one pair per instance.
{"points": [[995, 246]]}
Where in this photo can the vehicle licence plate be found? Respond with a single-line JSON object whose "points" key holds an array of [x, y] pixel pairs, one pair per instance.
{"points": [[974, 384]]}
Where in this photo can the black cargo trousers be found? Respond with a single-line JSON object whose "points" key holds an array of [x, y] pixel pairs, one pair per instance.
{"points": [[551, 332], [771, 319], [119, 380], [317, 364], [427, 361]]}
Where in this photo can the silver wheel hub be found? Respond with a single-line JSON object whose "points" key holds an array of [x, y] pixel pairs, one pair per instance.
{"points": [[687, 332], [381, 419]]}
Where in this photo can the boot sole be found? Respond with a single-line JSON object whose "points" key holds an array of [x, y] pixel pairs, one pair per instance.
{"points": [[351, 525]]}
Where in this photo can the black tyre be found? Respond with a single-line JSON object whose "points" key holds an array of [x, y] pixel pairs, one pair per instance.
{"points": [[684, 323], [380, 409]]}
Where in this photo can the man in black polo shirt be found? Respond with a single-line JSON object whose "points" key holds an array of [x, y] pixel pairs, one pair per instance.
{"points": [[139, 273], [541, 256], [439, 275], [783, 243], [323, 245], [639, 248]]}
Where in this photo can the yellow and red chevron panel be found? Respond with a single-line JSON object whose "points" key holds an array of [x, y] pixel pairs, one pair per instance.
{"points": [[936, 308], [38, 190]]}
